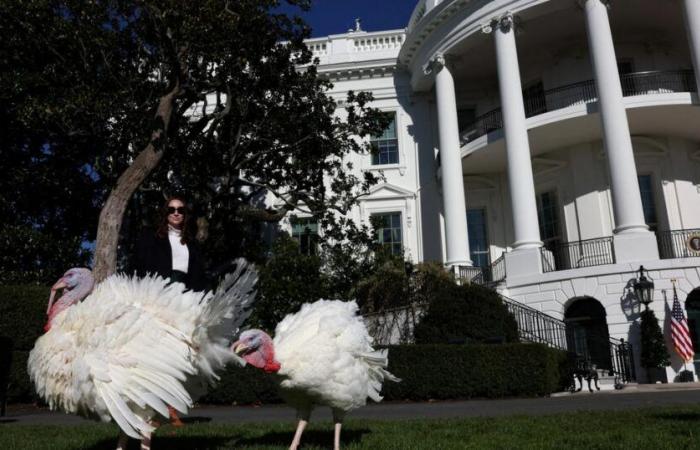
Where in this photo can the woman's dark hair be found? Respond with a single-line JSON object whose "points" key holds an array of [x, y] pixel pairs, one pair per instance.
{"points": [[162, 230]]}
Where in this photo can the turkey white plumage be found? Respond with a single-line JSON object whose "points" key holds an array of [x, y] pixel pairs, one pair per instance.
{"points": [[323, 355], [134, 346]]}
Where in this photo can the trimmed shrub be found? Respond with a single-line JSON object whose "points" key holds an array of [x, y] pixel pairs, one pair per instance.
{"points": [[469, 371], [22, 318], [243, 385], [467, 313], [431, 372], [23, 314], [654, 353]]}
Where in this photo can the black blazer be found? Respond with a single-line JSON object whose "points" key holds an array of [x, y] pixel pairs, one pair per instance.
{"points": [[154, 256]]}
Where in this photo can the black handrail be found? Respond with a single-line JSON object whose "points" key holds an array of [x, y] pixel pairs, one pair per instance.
{"points": [[675, 243], [536, 326], [576, 254], [622, 361], [638, 83]]}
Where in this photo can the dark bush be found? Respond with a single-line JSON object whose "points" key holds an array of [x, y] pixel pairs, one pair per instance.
{"points": [[385, 287], [287, 280], [22, 318], [462, 314], [390, 285], [243, 385], [469, 371], [431, 372]]}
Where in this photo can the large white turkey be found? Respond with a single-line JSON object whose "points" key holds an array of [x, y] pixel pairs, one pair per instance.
{"points": [[323, 355], [134, 345]]}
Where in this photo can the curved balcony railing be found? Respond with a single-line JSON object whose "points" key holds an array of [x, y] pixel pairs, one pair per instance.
{"points": [[577, 254], [679, 243], [640, 83]]}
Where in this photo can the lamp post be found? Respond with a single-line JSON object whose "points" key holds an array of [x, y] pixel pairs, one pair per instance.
{"points": [[644, 288]]}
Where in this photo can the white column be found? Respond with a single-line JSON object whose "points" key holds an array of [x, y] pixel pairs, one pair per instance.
{"points": [[633, 241], [456, 239], [692, 21], [627, 200], [520, 179]]}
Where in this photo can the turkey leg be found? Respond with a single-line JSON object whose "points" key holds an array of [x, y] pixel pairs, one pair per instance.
{"points": [[338, 416], [297, 435], [123, 441]]}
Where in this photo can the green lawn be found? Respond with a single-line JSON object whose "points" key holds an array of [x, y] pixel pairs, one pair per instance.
{"points": [[662, 428]]}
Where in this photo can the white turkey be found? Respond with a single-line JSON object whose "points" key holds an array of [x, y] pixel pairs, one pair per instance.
{"points": [[135, 346], [323, 355]]}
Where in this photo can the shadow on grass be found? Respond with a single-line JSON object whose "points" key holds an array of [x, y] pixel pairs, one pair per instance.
{"points": [[173, 442], [323, 439], [6, 420], [681, 417]]}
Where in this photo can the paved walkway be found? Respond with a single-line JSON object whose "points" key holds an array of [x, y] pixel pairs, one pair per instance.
{"points": [[629, 398]]}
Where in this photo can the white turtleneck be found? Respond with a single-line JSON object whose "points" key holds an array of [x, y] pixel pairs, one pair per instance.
{"points": [[181, 256]]}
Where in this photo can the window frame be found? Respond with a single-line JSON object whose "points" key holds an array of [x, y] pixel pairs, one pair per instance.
{"points": [[487, 250], [375, 156], [308, 246], [653, 226], [379, 231], [559, 237]]}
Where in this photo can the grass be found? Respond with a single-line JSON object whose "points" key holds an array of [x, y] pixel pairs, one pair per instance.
{"points": [[659, 428]]}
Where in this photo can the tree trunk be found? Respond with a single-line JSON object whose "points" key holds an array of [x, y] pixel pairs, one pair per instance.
{"points": [[112, 213]]}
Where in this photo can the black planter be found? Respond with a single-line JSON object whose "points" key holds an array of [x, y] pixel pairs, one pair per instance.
{"points": [[656, 374], [685, 376]]}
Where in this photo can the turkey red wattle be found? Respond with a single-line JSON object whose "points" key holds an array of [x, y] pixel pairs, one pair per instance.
{"points": [[263, 358]]}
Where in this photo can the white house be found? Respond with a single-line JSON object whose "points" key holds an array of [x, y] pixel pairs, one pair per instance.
{"points": [[550, 147]]}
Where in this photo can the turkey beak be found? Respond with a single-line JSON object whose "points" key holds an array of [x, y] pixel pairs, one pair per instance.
{"points": [[60, 284], [239, 348]]}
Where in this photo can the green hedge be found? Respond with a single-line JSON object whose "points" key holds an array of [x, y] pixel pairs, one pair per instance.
{"points": [[432, 372], [469, 371], [22, 319], [465, 314]]}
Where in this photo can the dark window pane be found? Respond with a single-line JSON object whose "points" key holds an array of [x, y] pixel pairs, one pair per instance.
{"points": [[478, 241], [305, 232], [389, 231], [385, 146]]}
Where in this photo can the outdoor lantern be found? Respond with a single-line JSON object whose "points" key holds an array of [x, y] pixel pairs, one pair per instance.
{"points": [[644, 288]]}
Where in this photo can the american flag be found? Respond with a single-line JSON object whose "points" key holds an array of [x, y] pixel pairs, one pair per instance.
{"points": [[679, 330]]}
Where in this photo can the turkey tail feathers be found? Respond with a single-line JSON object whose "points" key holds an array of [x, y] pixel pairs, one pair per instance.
{"points": [[377, 361], [224, 313], [237, 291]]}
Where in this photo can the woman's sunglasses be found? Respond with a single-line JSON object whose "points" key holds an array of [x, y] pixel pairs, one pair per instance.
{"points": [[180, 209]]}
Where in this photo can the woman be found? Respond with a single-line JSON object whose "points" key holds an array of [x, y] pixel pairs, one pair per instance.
{"points": [[171, 252]]}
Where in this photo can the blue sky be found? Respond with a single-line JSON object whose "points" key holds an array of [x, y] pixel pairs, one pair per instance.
{"points": [[337, 16]]}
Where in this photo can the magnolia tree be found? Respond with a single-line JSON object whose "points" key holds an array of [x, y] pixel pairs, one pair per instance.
{"points": [[222, 95]]}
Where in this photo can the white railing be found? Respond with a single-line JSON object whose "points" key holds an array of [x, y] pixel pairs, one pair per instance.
{"points": [[378, 43], [318, 48], [339, 48]]}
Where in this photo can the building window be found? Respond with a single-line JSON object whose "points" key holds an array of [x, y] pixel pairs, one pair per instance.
{"points": [[548, 218], [478, 237], [388, 228], [648, 204], [305, 232], [385, 147]]}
